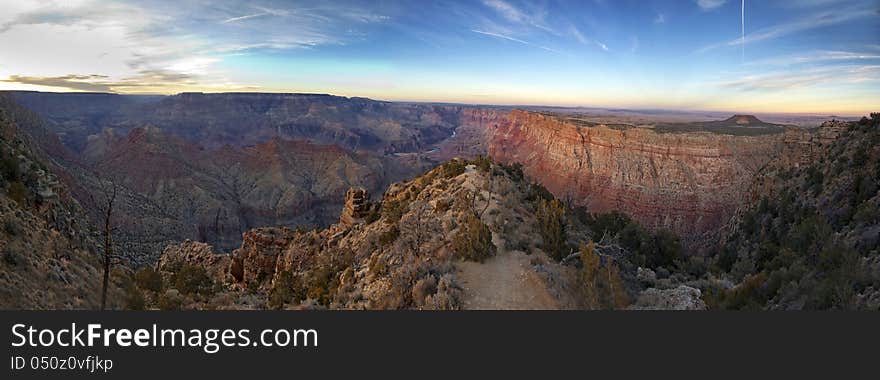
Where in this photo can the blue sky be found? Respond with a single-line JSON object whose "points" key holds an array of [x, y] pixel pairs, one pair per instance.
{"points": [[809, 56]]}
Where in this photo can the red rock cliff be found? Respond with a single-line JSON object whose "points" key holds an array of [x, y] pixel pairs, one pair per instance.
{"points": [[690, 183]]}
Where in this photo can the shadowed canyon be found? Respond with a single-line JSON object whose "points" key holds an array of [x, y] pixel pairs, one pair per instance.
{"points": [[249, 187]]}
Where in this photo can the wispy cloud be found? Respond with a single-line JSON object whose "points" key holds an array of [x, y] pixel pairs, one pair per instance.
{"points": [[818, 20], [825, 56], [508, 11], [130, 42], [710, 4], [660, 18], [517, 40], [811, 77], [242, 18], [576, 33]]}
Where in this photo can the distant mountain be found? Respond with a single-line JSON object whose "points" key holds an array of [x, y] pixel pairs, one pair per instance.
{"points": [[749, 121]]}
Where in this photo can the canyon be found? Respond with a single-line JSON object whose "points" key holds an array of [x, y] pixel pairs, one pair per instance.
{"points": [[687, 182], [425, 206], [209, 167]]}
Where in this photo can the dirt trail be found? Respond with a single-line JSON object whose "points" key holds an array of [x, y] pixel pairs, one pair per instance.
{"points": [[506, 281], [503, 282]]}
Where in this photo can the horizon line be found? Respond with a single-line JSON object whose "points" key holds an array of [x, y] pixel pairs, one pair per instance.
{"points": [[507, 105]]}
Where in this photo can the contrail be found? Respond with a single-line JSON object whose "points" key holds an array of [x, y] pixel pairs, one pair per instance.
{"points": [[743, 42]]}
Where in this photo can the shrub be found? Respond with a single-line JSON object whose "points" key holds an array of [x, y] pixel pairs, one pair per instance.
{"points": [[515, 171], [12, 256], [442, 206], [193, 279], [483, 163], [424, 288], [372, 216], [392, 210], [148, 279], [666, 248], [453, 168], [602, 285], [11, 227], [538, 192], [134, 298], [473, 241], [286, 289], [18, 192], [9, 169], [170, 300], [551, 227], [389, 236], [610, 223], [377, 265]]}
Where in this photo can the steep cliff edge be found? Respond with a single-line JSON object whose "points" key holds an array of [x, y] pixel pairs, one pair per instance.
{"points": [[690, 183], [48, 258]]}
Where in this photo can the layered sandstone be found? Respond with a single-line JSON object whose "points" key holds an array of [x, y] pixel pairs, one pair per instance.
{"points": [[690, 183], [803, 146]]}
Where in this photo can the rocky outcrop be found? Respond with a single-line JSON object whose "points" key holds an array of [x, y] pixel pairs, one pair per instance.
{"points": [[255, 261], [803, 147], [682, 297], [194, 253], [356, 206], [48, 259], [690, 183]]}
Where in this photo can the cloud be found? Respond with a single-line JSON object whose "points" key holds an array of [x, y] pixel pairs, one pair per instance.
{"points": [[814, 21], [125, 40], [506, 10], [827, 56], [72, 82], [245, 17], [812, 77], [576, 33], [509, 38], [710, 4], [660, 19]]}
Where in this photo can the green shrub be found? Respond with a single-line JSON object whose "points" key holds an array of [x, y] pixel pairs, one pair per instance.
{"points": [[11, 227], [372, 216], [18, 192], [538, 192], [515, 171], [551, 227], [170, 300], [483, 163], [193, 279], [12, 256], [148, 279], [442, 206], [473, 241], [134, 298], [377, 265], [9, 169], [393, 210], [453, 168], [389, 236], [286, 289], [602, 285]]}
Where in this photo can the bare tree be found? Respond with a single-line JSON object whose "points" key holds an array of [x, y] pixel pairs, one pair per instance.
{"points": [[417, 226], [105, 203]]}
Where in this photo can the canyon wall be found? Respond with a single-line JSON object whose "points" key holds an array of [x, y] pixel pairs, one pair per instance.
{"points": [[690, 183]]}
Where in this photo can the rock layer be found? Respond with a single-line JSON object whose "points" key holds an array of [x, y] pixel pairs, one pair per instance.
{"points": [[690, 183]]}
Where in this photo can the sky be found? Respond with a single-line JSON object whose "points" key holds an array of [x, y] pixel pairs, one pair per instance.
{"points": [[799, 56]]}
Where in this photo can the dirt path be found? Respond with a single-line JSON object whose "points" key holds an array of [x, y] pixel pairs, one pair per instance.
{"points": [[503, 282]]}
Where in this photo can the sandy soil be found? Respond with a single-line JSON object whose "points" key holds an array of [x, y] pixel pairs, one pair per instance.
{"points": [[504, 282]]}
